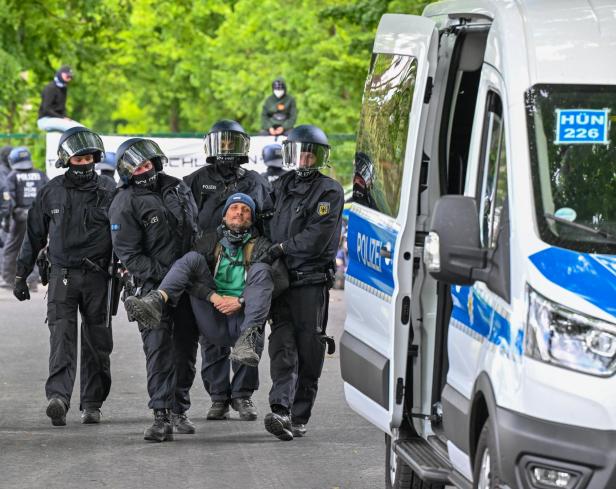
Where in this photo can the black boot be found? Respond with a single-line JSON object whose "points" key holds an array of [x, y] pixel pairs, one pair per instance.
{"points": [[278, 423], [146, 310], [56, 410], [245, 348], [181, 424], [161, 429]]}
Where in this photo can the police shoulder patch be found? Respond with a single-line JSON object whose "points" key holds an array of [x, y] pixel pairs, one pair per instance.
{"points": [[115, 227], [323, 208]]}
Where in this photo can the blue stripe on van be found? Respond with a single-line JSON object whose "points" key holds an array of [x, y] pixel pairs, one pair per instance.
{"points": [[471, 310], [365, 241], [592, 277]]}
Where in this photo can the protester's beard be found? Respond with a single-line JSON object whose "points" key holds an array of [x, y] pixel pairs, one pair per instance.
{"points": [[147, 180], [80, 173], [235, 233]]}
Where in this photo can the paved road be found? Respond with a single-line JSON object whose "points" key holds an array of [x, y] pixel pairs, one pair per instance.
{"points": [[341, 450]]}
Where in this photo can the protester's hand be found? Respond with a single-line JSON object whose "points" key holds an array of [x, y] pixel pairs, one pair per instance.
{"points": [[215, 299], [229, 305], [20, 290], [272, 131], [279, 131]]}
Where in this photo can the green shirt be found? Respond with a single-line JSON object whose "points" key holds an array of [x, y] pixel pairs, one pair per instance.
{"points": [[231, 273]]}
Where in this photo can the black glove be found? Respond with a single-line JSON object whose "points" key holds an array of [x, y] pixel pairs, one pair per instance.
{"points": [[272, 254], [20, 290]]}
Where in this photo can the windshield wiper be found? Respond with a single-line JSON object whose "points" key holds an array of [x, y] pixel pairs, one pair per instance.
{"points": [[599, 232]]}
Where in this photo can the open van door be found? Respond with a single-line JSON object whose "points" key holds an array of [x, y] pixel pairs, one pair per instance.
{"points": [[381, 234]]}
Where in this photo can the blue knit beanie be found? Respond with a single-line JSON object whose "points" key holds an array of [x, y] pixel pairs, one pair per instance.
{"points": [[243, 199]]}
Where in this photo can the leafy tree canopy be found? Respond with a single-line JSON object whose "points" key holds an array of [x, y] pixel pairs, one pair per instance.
{"points": [[154, 66]]}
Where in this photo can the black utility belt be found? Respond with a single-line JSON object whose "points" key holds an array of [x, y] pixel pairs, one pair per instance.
{"points": [[72, 270], [307, 278]]}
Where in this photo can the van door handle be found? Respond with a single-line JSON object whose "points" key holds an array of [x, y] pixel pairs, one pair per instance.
{"points": [[385, 253]]}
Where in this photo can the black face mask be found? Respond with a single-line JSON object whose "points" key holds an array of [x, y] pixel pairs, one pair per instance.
{"points": [[80, 173], [148, 179]]}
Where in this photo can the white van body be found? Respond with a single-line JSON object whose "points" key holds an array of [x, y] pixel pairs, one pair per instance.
{"points": [[503, 377]]}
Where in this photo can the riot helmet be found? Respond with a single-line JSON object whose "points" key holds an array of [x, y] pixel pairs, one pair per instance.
{"points": [[227, 143], [306, 150], [79, 141], [133, 153], [20, 159], [272, 155]]}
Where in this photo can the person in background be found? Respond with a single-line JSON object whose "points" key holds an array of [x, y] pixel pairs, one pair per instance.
{"points": [[22, 185], [272, 157], [52, 111], [279, 110], [108, 166], [5, 199]]}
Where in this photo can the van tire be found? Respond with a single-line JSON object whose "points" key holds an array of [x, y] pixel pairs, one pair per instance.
{"points": [[403, 476], [485, 472]]}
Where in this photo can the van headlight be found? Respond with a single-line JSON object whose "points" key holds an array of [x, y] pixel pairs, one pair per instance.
{"points": [[563, 337]]}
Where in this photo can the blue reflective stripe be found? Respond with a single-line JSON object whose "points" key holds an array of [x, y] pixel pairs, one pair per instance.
{"points": [[365, 241], [592, 277], [474, 312]]}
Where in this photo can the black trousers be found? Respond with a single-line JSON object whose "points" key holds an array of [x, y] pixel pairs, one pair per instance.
{"points": [[299, 318], [72, 291]]}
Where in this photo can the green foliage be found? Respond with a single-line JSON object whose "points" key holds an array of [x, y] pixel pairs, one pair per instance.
{"points": [[154, 66]]}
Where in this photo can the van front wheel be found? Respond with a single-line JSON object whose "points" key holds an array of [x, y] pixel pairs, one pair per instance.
{"points": [[399, 475], [485, 475]]}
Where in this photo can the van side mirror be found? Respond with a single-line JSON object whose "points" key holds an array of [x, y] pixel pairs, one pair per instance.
{"points": [[452, 252]]}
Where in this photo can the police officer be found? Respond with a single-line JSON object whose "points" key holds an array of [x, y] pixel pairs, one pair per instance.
{"points": [[153, 223], [22, 185], [226, 149], [306, 231], [279, 111], [70, 213], [272, 157], [5, 200], [107, 167]]}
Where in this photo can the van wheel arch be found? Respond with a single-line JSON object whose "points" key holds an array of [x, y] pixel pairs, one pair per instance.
{"points": [[483, 411]]}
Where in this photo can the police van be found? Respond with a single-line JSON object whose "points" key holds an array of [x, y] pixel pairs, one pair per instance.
{"points": [[480, 334]]}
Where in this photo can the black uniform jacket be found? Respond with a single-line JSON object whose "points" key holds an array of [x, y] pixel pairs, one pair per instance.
{"points": [[211, 188], [150, 230], [53, 101], [307, 220], [76, 219]]}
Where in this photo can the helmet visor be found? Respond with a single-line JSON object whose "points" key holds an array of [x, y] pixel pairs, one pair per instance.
{"points": [[226, 143], [306, 156], [137, 154], [82, 143]]}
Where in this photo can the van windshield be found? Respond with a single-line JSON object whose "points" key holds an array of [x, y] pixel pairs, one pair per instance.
{"points": [[572, 138]]}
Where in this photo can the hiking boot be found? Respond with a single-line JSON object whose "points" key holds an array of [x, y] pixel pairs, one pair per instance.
{"points": [[161, 429], [218, 410], [279, 425], [91, 416], [244, 350], [246, 408], [181, 424], [298, 429], [56, 410], [146, 310]]}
